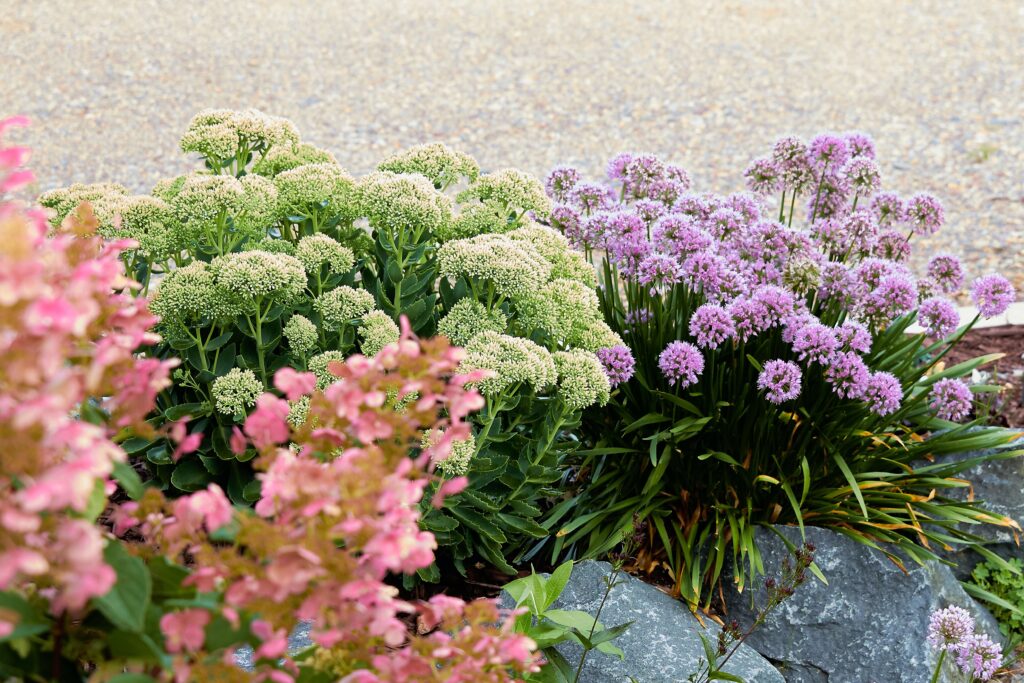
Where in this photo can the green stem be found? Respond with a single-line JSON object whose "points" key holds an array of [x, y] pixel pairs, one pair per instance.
{"points": [[817, 195], [938, 666], [597, 617]]}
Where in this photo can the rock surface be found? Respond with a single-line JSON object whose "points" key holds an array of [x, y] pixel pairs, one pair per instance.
{"points": [[867, 626], [662, 645]]}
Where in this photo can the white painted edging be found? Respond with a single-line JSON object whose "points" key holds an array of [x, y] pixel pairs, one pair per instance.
{"points": [[1014, 316]]}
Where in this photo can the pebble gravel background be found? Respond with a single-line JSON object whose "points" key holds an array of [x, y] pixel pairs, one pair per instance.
{"points": [[531, 83]]}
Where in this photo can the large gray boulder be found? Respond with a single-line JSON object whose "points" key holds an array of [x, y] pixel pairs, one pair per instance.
{"points": [[662, 645], [868, 625]]}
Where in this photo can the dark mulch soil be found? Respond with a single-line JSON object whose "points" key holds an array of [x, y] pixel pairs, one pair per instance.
{"points": [[1007, 407]]}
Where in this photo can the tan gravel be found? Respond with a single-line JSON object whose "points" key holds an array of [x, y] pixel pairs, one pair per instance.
{"points": [[531, 83]]}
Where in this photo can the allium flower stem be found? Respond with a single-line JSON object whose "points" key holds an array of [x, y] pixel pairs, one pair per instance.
{"points": [[938, 666], [817, 195], [782, 206], [792, 204]]}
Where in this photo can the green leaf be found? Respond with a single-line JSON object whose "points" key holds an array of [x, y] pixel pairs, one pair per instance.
{"points": [[723, 676], [556, 583], [190, 475], [132, 678], [159, 455], [126, 603], [128, 479], [135, 445], [175, 413], [219, 341], [30, 622], [135, 646], [852, 481]]}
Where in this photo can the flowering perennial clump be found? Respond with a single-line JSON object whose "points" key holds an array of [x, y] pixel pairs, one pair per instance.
{"points": [[805, 295], [951, 630]]}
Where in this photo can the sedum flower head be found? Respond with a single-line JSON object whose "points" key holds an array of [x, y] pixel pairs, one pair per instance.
{"points": [[168, 188], [592, 334], [377, 331], [301, 334], [186, 296], [316, 251], [202, 198], [343, 305], [554, 248], [559, 308], [582, 381], [442, 165], [307, 189], [218, 133], [514, 267], [475, 219], [319, 363], [457, 462], [513, 360], [516, 191], [259, 208], [150, 221], [260, 275], [280, 159], [274, 245], [400, 202], [66, 199], [298, 412], [236, 391], [468, 318]]}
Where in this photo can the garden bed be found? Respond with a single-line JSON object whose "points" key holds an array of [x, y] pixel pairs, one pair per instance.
{"points": [[1007, 408]]}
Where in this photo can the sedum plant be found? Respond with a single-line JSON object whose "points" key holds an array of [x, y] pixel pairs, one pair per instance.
{"points": [[770, 373], [273, 256]]}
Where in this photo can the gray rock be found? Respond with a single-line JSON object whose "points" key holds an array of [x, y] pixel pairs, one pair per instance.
{"points": [[297, 641], [662, 645], [868, 625]]}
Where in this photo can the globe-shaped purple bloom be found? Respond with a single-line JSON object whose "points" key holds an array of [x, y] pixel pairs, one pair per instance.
{"points": [[888, 208], [560, 182], [946, 271], [892, 245], [711, 325], [658, 272], [860, 144], [815, 343], [780, 380], [979, 657], [925, 214], [828, 150], [618, 363], [847, 374], [864, 176], [567, 220], [938, 316], [681, 363], [949, 627], [854, 336], [763, 176], [883, 393], [992, 294], [951, 399]]}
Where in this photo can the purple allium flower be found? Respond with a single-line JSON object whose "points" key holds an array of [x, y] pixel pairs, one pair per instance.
{"points": [[745, 204], [864, 176], [830, 234], [711, 325], [895, 295], [693, 205], [591, 197], [949, 627], [560, 182], [828, 150], [788, 150], [860, 144], [618, 364], [617, 166], [627, 251], [731, 283], [681, 362], [703, 270], [888, 208], [642, 174], [992, 294], [650, 210], [870, 271], [778, 303], [837, 282], [951, 399], [947, 272], [749, 317], [924, 214], [625, 222], [638, 317], [828, 198], [979, 657], [847, 374], [794, 322], [763, 176], [567, 220], [790, 155], [780, 380], [678, 234], [665, 191], [658, 271], [815, 343], [860, 229], [854, 336], [892, 245], [883, 393], [939, 317], [678, 174], [725, 222]]}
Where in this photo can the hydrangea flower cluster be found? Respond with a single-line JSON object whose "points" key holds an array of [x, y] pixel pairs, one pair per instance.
{"points": [[951, 630]]}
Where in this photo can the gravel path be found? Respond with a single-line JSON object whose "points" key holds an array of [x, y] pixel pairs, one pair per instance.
{"points": [[532, 83]]}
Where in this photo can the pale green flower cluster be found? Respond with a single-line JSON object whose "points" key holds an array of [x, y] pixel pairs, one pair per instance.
{"points": [[64, 200], [513, 267], [403, 202], [259, 208], [219, 133], [560, 308], [566, 263], [316, 251], [272, 244], [516, 191], [318, 366], [801, 275], [189, 295], [442, 165], [468, 318], [593, 334], [307, 189], [457, 462], [476, 219], [168, 188], [236, 391], [377, 331], [582, 381], [301, 334], [342, 305], [280, 159], [513, 360], [202, 199], [254, 276], [298, 411]]}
